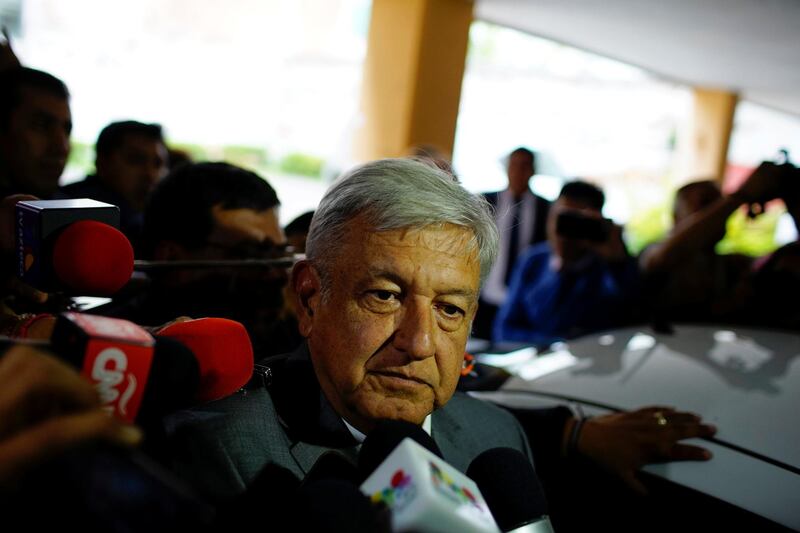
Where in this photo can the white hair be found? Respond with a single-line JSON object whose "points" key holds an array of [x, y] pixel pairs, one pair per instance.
{"points": [[398, 194]]}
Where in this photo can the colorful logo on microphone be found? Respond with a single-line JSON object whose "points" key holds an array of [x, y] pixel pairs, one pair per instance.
{"points": [[449, 489], [400, 492]]}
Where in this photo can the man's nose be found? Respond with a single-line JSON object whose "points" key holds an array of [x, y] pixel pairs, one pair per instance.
{"points": [[415, 332]]}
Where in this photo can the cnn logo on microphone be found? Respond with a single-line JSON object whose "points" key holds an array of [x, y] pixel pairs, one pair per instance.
{"points": [[119, 374]]}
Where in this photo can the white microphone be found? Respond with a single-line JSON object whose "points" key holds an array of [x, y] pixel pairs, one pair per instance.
{"points": [[426, 494]]}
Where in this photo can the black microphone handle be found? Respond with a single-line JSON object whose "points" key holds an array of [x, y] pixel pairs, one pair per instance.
{"points": [[511, 489]]}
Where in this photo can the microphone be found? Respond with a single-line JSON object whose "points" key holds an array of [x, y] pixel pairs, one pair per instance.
{"points": [[268, 500], [512, 490], [223, 350], [72, 246], [325, 501], [336, 505], [385, 437], [93, 259], [333, 465], [138, 377], [424, 493]]}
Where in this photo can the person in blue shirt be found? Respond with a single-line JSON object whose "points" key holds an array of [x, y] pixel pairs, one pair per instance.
{"points": [[579, 281]]}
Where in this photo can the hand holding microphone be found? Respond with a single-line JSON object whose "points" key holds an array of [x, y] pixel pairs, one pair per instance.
{"points": [[143, 377], [46, 408]]}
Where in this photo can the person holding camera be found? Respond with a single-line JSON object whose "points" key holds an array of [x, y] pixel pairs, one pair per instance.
{"points": [[579, 281], [685, 278]]}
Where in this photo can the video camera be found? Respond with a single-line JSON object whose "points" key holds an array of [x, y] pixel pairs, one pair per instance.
{"points": [[574, 225]]}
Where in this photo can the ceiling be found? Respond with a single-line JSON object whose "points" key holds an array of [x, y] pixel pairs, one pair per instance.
{"points": [[747, 46]]}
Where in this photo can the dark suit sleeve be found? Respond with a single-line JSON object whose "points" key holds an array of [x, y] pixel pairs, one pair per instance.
{"points": [[220, 447]]}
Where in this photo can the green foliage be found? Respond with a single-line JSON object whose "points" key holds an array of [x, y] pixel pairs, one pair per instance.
{"points": [[246, 156], [196, 152], [647, 226], [81, 156], [302, 164], [256, 158], [753, 237]]}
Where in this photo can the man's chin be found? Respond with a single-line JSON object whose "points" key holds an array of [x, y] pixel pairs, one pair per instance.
{"points": [[394, 408]]}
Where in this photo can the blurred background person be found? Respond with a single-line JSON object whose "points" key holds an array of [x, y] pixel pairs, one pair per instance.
{"points": [[579, 281], [686, 280], [521, 218], [131, 158], [214, 211], [296, 231], [35, 126]]}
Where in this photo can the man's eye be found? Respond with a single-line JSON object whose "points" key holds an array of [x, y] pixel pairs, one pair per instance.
{"points": [[451, 311], [384, 296]]}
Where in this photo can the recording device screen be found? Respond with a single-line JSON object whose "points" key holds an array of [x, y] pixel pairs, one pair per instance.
{"points": [[576, 226]]}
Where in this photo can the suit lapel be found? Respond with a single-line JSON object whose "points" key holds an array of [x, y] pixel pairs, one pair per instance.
{"points": [[305, 454], [310, 421], [447, 432]]}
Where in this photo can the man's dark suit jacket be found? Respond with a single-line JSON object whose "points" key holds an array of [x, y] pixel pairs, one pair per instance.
{"points": [[483, 323], [541, 209], [220, 447]]}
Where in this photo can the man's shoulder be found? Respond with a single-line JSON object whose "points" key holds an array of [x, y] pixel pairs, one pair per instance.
{"points": [[466, 427], [472, 409], [91, 187], [536, 254], [221, 446], [242, 413], [78, 187]]}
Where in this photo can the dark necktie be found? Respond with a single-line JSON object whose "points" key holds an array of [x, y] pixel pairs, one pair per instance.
{"points": [[513, 244]]}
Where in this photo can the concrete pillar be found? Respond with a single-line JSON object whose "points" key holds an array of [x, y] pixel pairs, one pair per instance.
{"points": [[713, 123], [412, 76]]}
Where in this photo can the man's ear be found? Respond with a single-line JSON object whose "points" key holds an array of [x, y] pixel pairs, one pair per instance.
{"points": [[307, 289]]}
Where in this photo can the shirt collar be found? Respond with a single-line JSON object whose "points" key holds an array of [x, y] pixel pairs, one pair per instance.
{"points": [[359, 436]]}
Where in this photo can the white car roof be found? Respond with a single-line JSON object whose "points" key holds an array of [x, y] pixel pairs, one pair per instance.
{"points": [[745, 381]]}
